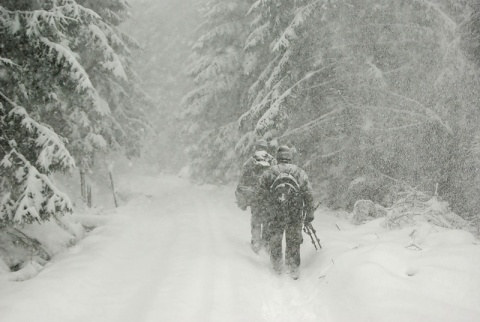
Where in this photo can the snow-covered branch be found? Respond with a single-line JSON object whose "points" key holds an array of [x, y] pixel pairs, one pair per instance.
{"points": [[300, 17], [37, 200], [52, 148], [62, 54]]}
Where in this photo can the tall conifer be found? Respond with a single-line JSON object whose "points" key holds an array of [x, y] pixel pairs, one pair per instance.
{"points": [[67, 91]]}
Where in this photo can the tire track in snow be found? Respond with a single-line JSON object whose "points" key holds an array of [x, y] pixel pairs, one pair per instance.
{"points": [[227, 268], [181, 254], [211, 277], [220, 267], [198, 266]]}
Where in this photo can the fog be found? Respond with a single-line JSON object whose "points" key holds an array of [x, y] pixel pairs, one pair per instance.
{"points": [[123, 108]]}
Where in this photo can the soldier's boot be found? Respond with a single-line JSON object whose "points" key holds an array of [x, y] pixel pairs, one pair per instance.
{"points": [[277, 265], [266, 247], [277, 269], [266, 237], [256, 246], [292, 255], [276, 259], [264, 242], [294, 272], [256, 234]]}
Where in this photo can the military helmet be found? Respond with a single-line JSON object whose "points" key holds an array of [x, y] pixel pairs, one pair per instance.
{"points": [[261, 143], [284, 153]]}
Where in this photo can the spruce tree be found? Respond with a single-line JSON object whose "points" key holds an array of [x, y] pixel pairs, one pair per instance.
{"points": [[348, 78], [279, 47], [216, 68], [374, 95], [67, 91]]}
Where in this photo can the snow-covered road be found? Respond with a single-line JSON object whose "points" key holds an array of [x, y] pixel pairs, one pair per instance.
{"points": [[175, 253], [178, 252]]}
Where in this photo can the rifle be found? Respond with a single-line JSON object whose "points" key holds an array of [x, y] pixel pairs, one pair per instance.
{"points": [[308, 229]]}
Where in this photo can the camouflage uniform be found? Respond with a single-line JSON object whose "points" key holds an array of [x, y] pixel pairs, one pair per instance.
{"points": [[248, 188], [287, 220]]}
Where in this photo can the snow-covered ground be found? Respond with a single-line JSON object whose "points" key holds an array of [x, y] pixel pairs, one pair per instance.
{"points": [[178, 252]]}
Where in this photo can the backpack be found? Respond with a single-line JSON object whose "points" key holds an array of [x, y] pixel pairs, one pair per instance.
{"points": [[247, 193], [285, 191], [243, 196]]}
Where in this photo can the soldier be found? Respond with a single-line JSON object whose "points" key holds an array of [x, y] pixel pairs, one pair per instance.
{"points": [[289, 195], [247, 193]]}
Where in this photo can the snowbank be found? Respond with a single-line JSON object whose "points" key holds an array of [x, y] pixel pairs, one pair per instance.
{"points": [[419, 273], [178, 252]]}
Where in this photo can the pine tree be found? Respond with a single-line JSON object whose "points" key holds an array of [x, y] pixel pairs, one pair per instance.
{"points": [[371, 72], [399, 54], [372, 94], [67, 91], [279, 35], [217, 72], [29, 151], [113, 76], [457, 89]]}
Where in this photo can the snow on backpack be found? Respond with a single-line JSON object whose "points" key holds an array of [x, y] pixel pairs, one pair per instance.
{"points": [[285, 190], [262, 158]]}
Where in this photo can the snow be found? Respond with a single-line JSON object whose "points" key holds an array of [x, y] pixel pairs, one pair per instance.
{"points": [[179, 252], [97, 140], [76, 70]]}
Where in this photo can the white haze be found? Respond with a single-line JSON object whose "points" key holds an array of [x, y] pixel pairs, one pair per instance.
{"points": [[176, 251]]}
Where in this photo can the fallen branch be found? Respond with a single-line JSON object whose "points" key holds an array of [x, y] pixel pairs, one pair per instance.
{"points": [[413, 245]]}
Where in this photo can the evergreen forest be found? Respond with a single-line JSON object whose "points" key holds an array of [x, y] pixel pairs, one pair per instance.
{"points": [[377, 98]]}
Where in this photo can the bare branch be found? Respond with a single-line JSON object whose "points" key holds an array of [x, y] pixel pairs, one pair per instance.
{"points": [[429, 113], [329, 155], [397, 128], [322, 119]]}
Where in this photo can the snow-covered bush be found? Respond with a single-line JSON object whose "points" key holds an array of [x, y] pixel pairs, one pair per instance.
{"points": [[413, 206], [26, 250], [365, 210]]}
